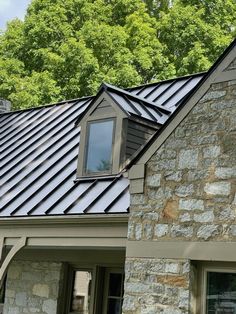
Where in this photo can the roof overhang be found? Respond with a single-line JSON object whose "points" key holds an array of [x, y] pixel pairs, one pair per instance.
{"points": [[74, 232]]}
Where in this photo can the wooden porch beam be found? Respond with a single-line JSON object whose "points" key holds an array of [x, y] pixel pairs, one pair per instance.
{"points": [[5, 263]]}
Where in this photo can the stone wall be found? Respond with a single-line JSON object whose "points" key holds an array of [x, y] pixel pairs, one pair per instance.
{"points": [[189, 195], [32, 287], [191, 180], [157, 286]]}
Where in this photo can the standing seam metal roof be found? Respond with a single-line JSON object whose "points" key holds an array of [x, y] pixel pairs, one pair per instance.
{"points": [[39, 151]]}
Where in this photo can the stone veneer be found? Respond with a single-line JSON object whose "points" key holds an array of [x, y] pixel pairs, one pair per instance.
{"points": [[189, 195], [157, 286], [32, 287]]}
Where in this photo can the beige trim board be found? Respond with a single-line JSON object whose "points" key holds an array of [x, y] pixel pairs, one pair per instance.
{"points": [[71, 242], [1, 247], [67, 232], [229, 75], [92, 219], [106, 234], [204, 251]]}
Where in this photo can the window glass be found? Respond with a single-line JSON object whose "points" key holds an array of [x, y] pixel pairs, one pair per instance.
{"points": [[2, 295], [114, 306], [81, 292], [221, 293], [99, 147], [115, 293], [115, 284]]}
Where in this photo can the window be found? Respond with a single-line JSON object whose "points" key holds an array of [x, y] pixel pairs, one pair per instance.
{"points": [[2, 295], [97, 291], [114, 294], [219, 289], [221, 293], [81, 292], [99, 147], [110, 136]]}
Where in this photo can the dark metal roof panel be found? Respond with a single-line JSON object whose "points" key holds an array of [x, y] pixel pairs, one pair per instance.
{"points": [[175, 100], [139, 107], [160, 92], [120, 99], [39, 151]]}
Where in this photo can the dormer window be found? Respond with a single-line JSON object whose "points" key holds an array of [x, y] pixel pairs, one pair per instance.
{"points": [[100, 135], [114, 127]]}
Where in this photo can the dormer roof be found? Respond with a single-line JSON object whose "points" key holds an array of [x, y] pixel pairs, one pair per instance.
{"points": [[39, 150]]}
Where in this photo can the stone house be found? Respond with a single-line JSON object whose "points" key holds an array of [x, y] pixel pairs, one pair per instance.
{"points": [[142, 220]]}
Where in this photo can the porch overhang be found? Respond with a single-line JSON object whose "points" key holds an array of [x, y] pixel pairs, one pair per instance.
{"points": [[73, 232]]}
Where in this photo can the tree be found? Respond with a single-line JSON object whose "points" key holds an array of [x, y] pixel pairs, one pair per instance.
{"points": [[66, 48], [201, 35], [30, 90]]}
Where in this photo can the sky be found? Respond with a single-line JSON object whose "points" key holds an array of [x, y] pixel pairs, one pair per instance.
{"points": [[9, 9]]}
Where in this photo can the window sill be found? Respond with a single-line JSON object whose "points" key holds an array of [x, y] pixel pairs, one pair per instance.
{"points": [[98, 177]]}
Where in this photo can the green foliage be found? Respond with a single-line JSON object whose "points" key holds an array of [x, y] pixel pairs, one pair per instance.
{"points": [[66, 48], [199, 42], [30, 90]]}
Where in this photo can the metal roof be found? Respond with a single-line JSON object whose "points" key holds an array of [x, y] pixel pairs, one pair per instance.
{"points": [[168, 94], [138, 106], [39, 151]]}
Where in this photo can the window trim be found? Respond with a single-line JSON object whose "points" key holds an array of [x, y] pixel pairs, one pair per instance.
{"points": [[119, 116], [85, 152], [100, 275], [220, 267], [70, 284], [3, 292], [108, 271]]}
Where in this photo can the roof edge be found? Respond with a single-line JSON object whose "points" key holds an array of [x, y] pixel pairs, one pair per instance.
{"points": [[70, 219], [127, 89], [166, 81]]}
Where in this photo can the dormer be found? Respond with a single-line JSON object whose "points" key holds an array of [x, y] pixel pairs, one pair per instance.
{"points": [[114, 127]]}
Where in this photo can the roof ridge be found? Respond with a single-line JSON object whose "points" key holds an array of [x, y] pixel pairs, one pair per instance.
{"points": [[63, 102], [77, 99], [167, 80], [149, 103]]}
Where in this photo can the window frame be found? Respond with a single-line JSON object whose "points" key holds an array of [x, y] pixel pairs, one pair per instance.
{"points": [[214, 267], [100, 275], [119, 137], [85, 152], [108, 271], [70, 285], [3, 294]]}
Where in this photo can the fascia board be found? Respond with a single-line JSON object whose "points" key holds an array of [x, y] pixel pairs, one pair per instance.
{"points": [[92, 219]]}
